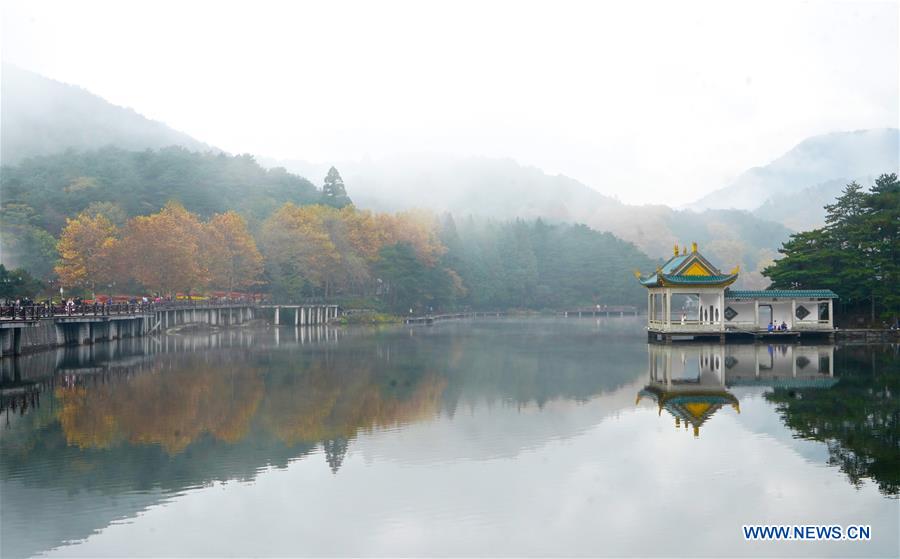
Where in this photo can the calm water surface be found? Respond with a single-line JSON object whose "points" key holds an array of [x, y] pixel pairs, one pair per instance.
{"points": [[504, 437]]}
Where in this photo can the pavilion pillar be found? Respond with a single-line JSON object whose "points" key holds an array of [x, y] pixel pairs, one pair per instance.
{"points": [[756, 321], [668, 297], [667, 368], [830, 315], [649, 307], [793, 315], [277, 313], [721, 308], [296, 316]]}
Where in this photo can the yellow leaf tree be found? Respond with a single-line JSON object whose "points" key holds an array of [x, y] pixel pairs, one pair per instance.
{"points": [[87, 249], [298, 249], [231, 257]]}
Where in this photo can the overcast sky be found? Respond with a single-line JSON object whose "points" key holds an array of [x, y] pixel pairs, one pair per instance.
{"points": [[647, 101]]}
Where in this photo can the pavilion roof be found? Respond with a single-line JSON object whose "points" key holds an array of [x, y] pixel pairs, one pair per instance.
{"points": [[686, 269], [692, 408]]}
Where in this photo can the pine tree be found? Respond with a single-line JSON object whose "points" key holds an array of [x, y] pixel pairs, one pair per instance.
{"points": [[333, 192]]}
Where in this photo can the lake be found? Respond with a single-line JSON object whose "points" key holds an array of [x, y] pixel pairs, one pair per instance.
{"points": [[488, 437]]}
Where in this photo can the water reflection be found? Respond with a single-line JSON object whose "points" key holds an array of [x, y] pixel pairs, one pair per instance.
{"points": [[94, 435], [858, 418], [691, 382], [148, 418], [856, 413]]}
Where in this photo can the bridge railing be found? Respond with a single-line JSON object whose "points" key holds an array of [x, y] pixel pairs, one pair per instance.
{"points": [[204, 304], [37, 312]]}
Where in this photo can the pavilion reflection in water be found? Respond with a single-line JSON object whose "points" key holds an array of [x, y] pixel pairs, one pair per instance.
{"points": [[692, 382]]}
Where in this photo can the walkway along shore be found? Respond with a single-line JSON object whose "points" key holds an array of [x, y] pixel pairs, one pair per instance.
{"points": [[35, 328]]}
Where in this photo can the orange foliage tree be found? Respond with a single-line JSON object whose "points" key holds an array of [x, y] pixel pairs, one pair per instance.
{"points": [[162, 251]]}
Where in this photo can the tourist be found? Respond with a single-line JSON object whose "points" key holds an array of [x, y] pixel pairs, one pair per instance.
{"points": [[771, 327], [784, 326]]}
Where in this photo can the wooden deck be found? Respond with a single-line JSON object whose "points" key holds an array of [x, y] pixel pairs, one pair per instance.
{"points": [[697, 334]]}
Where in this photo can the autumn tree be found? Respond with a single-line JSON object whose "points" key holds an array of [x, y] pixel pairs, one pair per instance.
{"points": [[229, 252], [420, 230], [87, 248], [298, 250], [162, 251]]}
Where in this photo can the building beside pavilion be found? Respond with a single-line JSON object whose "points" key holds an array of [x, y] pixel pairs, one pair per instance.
{"points": [[689, 298]]}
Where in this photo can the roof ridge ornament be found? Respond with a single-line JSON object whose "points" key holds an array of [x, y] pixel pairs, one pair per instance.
{"points": [[694, 247], [675, 249]]}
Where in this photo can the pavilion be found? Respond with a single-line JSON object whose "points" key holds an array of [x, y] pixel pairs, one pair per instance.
{"points": [[688, 297]]}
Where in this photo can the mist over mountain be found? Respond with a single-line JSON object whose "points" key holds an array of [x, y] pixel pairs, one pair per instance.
{"points": [[502, 189], [40, 116], [477, 186], [820, 163]]}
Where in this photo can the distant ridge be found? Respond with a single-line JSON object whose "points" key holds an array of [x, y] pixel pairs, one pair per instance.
{"points": [[40, 116], [834, 158]]}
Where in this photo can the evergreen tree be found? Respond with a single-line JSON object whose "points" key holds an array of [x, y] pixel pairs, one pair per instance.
{"points": [[333, 192], [855, 254], [18, 283]]}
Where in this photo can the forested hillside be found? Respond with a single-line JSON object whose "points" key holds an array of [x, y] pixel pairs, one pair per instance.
{"points": [[41, 192], [534, 264], [138, 182], [172, 221]]}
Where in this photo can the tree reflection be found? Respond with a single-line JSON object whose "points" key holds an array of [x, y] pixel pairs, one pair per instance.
{"points": [[174, 404], [858, 418], [171, 407]]}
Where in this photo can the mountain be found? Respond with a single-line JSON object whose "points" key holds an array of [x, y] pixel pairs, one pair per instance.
{"points": [[40, 116], [803, 210], [839, 157], [502, 189]]}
